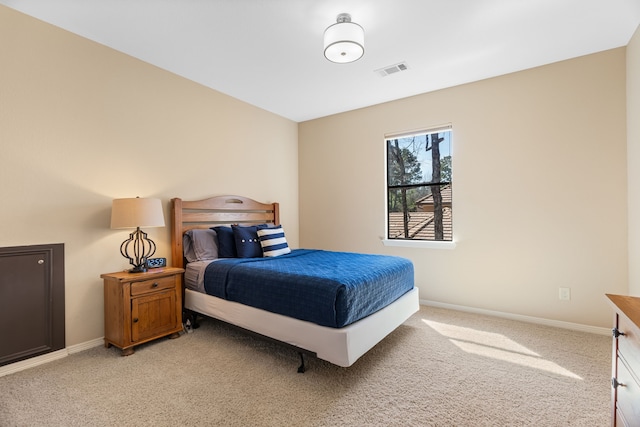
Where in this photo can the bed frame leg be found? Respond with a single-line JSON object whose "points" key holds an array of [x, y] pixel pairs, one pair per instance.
{"points": [[301, 368], [191, 318]]}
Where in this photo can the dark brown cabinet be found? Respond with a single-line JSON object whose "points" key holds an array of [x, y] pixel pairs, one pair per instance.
{"points": [[32, 317]]}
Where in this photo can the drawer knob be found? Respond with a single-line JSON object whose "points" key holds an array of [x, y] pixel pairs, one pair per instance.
{"points": [[135, 320], [155, 285], [615, 383], [616, 332]]}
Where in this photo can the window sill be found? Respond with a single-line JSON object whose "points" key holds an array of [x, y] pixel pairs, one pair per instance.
{"points": [[426, 244]]}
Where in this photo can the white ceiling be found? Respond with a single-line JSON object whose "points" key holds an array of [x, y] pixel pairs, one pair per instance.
{"points": [[269, 52]]}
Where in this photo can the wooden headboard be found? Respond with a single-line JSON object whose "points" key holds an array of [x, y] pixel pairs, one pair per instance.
{"points": [[219, 210]]}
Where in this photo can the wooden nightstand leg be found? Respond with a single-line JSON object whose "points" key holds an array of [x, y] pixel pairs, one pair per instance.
{"points": [[174, 335], [128, 351]]}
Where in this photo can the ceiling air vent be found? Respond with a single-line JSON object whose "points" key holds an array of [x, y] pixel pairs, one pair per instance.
{"points": [[392, 69]]}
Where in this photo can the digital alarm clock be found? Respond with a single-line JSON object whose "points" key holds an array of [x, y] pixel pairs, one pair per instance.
{"points": [[156, 262]]}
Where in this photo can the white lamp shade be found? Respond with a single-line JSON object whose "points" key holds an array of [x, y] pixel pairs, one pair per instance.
{"points": [[136, 212], [344, 42]]}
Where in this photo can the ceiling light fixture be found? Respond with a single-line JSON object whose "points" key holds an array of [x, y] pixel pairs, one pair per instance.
{"points": [[344, 40]]}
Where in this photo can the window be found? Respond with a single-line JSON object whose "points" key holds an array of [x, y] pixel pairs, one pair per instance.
{"points": [[419, 193]]}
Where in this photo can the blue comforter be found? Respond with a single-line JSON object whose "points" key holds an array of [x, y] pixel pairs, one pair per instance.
{"points": [[328, 288]]}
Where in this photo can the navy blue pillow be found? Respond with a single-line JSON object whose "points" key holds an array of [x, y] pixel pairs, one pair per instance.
{"points": [[226, 242], [246, 241]]}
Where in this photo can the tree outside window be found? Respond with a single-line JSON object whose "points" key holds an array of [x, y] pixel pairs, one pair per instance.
{"points": [[419, 193]]}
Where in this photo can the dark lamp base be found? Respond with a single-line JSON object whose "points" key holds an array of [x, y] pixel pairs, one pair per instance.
{"points": [[138, 269], [137, 249]]}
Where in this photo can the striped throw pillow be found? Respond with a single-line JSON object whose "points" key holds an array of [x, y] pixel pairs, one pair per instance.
{"points": [[273, 241]]}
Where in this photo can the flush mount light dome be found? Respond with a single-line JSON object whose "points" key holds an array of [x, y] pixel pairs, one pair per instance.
{"points": [[344, 40]]}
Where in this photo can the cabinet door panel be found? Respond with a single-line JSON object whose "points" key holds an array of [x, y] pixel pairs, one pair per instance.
{"points": [[153, 315]]}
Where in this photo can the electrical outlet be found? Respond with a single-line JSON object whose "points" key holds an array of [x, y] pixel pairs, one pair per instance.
{"points": [[564, 294]]}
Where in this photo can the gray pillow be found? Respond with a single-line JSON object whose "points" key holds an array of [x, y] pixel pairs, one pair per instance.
{"points": [[200, 244]]}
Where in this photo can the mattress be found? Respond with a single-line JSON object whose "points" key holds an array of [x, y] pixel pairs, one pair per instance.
{"points": [[332, 289], [194, 275]]}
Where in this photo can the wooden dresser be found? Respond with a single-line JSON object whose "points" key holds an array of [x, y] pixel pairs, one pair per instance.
{"points": [[625, 383], [140, 307]]}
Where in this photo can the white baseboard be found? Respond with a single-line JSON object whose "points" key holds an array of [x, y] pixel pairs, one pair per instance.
{"points": [[49, 357], [77, 348], [520, 317]]}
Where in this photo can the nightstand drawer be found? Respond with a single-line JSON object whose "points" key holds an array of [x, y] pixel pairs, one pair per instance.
{"points": [[629, 344], [152, 285], [628, 396]]}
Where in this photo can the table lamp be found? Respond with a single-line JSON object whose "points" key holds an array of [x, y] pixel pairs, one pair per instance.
{"points": [[135, 213]]}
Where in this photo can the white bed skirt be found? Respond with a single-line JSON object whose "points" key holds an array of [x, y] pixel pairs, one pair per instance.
{"points": [[341, 347]]}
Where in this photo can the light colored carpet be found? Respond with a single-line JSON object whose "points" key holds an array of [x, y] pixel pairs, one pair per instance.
{"points": [[441, 368]]}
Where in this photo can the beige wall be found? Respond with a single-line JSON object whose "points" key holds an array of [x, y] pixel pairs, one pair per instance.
{"points": [[540, 188], [81, 124], [633, 160]]}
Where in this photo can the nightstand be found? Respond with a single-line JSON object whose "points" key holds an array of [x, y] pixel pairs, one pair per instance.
{"points": [[141, 307], [625, 391]]}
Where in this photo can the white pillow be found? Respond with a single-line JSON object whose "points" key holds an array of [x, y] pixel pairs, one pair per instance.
{"points": [[273, 241]]}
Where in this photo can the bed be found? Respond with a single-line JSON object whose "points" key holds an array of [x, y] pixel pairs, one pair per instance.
{"points": [[340, 332]]}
